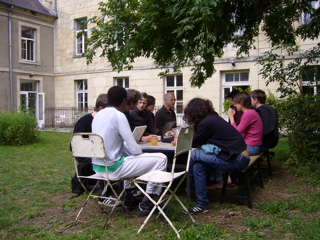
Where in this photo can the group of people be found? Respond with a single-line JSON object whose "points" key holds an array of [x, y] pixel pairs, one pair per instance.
{"points": [[115, 116], [222, 146], [219, 145]]}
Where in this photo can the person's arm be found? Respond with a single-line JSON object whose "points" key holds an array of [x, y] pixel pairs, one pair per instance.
{"points": [[126, 134], [150, 125], [201, 134], [231, 113], [244, 123]]}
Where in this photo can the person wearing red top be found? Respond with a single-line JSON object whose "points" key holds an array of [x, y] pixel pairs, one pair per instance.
{"points": [[250, 126]]}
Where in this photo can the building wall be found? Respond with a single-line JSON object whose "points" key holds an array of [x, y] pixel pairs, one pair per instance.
{"points": [[144, 76], [42, 70]]}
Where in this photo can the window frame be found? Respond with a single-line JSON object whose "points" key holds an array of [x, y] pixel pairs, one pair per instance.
{"points": [[175, 88], [83, 92], [125, 82], [35, 43], [80, 41]]}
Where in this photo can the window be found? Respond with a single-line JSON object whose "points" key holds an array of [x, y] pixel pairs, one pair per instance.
{"points": [[28, 44], [306, 17], [175, 84], [311, 80], [31, 99], [82, 94], [232, 81], [81, 26], [122, 82]]}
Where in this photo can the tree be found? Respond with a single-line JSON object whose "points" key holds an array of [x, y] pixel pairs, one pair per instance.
{"points": [[190, 32]]}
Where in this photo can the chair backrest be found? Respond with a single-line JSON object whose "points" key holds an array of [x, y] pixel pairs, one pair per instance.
{"points": [[184, 142], [87, 145], [184, 145]]}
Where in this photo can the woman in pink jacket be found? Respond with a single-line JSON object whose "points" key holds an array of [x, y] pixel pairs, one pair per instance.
{"points": [[250, 126]]}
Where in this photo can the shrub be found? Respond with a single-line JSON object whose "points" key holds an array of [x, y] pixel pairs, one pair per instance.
{"points": [[299, 117], [18, 128]]}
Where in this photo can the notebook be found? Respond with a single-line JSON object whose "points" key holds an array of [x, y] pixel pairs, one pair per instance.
{"points": [[138, 132], [167, 127]]}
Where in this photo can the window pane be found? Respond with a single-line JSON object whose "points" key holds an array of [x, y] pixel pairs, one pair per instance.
{"points": [[229, 77], [170, 81], [179, 80], [179, 108], [236, 77], [27, 33], [244, 76], [119, 82], [126, 82], [226, 92], [179, 96]]}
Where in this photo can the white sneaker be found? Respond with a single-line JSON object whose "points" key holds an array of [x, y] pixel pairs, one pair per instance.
{"points": [[109, 202]]}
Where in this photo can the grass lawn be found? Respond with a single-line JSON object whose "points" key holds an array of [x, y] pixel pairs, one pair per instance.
{"points": [[35, 203]]}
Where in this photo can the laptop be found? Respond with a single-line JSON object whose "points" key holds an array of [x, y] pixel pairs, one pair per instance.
{"points": [[138, 132], [168, 126]]}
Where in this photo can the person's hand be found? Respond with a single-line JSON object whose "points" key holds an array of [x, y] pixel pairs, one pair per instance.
{"points": [[169, 134], [148, 138], [231, 112]]}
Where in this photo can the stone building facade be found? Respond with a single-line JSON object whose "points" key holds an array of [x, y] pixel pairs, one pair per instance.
{"points": [[68, 81]]}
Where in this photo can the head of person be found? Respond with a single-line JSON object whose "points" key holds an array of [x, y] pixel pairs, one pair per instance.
{"points": [[142, 102], [151, 103], [117, 97], [133, 97], [231, 95], [258, 97], [101, 102], [169, 100], [196, 110], [242, 101]]}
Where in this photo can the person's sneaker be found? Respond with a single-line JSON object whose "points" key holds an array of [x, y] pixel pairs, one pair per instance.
{"points": [[109, 202], [136, 193], [143, 210], [196, 209]]}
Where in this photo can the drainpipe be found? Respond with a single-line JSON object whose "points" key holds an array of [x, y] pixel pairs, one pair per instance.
{"points": [[10, 57]]}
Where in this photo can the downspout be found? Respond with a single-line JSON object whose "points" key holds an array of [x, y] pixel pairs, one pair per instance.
{"points": [[10, 57]]}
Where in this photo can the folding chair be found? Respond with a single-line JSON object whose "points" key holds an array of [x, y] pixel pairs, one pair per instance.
{"points": [[165, 179], [91, 145]]}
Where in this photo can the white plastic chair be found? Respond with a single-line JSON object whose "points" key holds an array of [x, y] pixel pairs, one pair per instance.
{"points": [[91, 145], [165, 179]]}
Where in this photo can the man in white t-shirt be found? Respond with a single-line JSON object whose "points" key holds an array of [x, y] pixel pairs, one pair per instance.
{"points": [[112, 125]]}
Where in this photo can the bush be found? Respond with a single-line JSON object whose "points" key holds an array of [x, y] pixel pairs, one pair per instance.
{"points": [[299, 117], [18, 128]]}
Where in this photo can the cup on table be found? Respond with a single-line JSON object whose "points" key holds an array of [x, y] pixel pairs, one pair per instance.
{"points": [[154, 141]]}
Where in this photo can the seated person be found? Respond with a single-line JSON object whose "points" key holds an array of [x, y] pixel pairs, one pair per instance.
{"points": [[141, 116], [237, 115], [112, 125], [150, 107], [84, 125], [166, 113], [132, 101], [269, 119], [219, 147], [250, 126]]}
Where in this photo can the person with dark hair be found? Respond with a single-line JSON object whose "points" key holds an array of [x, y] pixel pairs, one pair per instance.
{"points": [[237, 115], [141, 116], [250, 126], [219, 146], [84, 125], [132, 100], [269, 117], [112, 125], [166, 113], [150, 107]]}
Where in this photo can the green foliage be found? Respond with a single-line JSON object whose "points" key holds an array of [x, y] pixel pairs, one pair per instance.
{"points": [[189, 32], [17, 128], [299, 118]]}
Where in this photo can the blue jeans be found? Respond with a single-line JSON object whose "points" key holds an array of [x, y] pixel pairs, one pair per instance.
{"points": [[253, 150], [202, 162]]}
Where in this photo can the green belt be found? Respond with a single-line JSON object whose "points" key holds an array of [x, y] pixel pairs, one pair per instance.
{"points": [[112, 168]]}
